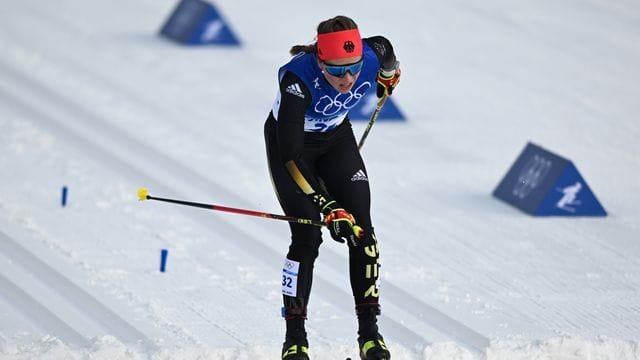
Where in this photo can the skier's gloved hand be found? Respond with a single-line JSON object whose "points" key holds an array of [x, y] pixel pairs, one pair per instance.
{"points": [[342, 225], [387, 81]]}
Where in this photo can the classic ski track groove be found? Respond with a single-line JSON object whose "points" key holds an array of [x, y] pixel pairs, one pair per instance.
{"points": [[39, 312], [100, 140]]}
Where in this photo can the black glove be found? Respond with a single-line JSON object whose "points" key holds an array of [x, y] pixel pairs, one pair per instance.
{"points": [[342, 225]]}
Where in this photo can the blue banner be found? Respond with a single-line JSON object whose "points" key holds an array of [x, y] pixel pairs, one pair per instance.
{"points": [[542, 183], [196, 22], [366, 106]]}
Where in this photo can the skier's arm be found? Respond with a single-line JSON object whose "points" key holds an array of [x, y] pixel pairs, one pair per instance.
{"points": [[342, 224], [291, 138], [383, 50], [389, 74]]}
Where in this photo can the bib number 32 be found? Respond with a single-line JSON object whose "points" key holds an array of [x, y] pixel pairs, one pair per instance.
{"points": [[290, 277]]}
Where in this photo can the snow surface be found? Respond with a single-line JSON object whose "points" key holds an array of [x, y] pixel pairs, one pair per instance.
{"points": [[92, 99]]}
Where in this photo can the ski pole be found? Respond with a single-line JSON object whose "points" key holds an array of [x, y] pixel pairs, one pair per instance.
{"points": [[374, 116], [143, 194]]}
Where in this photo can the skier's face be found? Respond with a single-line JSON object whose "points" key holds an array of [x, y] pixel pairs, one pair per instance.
{"points": [[344, 78]]}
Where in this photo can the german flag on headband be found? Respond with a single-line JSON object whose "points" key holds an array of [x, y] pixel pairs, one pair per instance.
{"points": [[339, 44]]}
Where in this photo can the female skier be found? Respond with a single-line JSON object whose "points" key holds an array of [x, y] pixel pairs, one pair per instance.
{"points": [[316, 168]]}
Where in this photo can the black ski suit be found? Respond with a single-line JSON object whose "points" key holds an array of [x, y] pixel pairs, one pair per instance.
{"points": [[304, 163]]}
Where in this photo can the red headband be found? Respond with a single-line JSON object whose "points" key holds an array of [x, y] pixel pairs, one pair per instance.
{"points": [[339, 44]]}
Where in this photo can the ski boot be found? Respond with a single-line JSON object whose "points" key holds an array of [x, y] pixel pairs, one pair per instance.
{"points": [[370, 342], [373, 348], [295, 350], [295, 346]]}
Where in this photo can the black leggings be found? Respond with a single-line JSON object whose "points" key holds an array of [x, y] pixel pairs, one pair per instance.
{"points": [[335, 160]]}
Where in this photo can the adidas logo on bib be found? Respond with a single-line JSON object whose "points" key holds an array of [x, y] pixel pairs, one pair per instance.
{"points": [[359, 176]]}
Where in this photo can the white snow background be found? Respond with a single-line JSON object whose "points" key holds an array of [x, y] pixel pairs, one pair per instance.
{"points": [[92, 99]]}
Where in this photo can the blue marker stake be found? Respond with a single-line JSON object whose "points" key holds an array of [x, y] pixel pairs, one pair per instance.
{"points": [[163, 259], [64, 196]]}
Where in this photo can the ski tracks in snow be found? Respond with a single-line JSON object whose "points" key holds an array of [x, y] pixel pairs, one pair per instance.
{"points": [[55, 303], [118, 150]]}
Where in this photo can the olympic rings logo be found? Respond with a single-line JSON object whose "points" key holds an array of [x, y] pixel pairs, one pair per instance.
{"points": [[531, 175], [328, 106]]}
